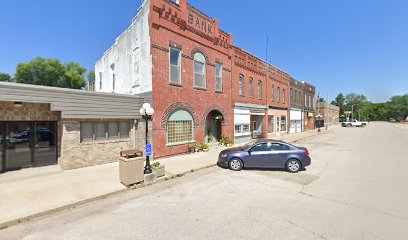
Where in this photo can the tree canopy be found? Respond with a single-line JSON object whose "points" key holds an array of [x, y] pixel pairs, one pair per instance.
{"points": [[4, 77], [91, 80], [396, 107], [51, 72]]}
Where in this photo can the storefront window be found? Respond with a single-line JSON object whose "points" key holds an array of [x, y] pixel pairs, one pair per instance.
{"points": [[245, 129], [283, 123], [271, 124], [241, 128], [237, 128], [91, 131]]}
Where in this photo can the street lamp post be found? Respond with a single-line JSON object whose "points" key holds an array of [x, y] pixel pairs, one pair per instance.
{"points": [[147, 112]]}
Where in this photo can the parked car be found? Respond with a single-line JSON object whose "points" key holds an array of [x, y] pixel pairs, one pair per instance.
{"points": [[354, 123], [265, 154]]}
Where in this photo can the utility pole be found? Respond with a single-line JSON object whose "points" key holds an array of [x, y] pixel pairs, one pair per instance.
{"points": [[352, 112], [267, 46], [327, 111]]}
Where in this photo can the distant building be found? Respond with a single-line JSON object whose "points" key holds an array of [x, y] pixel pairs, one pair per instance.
{"points": [[309, 106], [330, 113], [296, 111]]}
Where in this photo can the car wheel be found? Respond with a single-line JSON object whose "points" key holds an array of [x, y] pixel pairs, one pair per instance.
{"points": [[349, 125], [236, 164], [363, 125], [293, 166]]}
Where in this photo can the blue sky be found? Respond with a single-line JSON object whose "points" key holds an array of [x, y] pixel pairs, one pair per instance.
{"points": [[338, 45]]}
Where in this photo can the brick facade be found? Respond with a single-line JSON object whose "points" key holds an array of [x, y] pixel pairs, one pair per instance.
{"points": [[252, 68], [178, 25], [309, 103], [183, 26]]}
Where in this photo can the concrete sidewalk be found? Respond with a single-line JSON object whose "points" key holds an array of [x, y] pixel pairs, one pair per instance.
{"points": [[31, 193]]}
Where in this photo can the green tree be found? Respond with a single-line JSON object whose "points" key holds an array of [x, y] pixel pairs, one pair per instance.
{"points": [[74, 76], [340, 100], [4, 77], [51, 72], [399, 107]]}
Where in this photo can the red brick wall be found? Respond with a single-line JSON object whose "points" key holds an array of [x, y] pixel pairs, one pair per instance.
{"points": [[282, 80], [250, 66], [169, 25]]}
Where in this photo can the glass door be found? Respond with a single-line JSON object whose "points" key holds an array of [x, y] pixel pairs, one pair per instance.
{"points": [[45, 144], [2, 141], [18, 145], [278, 126]]}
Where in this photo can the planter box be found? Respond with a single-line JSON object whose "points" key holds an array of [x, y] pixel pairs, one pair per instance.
{"points": [[160, 171], [206, 150]]}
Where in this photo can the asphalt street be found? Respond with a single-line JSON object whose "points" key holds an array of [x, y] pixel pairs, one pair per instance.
{"points": [[356, 188]]}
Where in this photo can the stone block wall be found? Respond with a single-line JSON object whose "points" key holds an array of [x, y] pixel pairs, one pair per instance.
{"points": [[27, 112], [77, 154]]}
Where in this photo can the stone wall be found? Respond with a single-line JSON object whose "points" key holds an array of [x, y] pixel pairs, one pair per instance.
{"points": [[330, 113], [27, 112], [77, 154]]}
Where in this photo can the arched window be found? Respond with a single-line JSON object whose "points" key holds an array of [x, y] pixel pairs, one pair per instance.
{"points": [[199, 70], [241, 85], [251, 87], [273, 93], [180, 128], [283, 95], [259, 89]]}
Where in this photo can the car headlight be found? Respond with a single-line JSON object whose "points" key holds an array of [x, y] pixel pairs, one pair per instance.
{"points": [[224, 155]]}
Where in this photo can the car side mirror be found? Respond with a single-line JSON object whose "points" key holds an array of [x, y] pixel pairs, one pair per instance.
{"points": [[249, 151]]}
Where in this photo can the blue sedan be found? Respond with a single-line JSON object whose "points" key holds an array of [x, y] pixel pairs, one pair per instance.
{"points": [[265, 154]]}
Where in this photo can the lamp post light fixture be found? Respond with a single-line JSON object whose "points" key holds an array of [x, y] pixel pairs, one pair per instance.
{"points": [[319, 118], [147, 112]]}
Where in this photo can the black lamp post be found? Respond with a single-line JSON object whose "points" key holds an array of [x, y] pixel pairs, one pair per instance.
{"points": [[147, 112]]}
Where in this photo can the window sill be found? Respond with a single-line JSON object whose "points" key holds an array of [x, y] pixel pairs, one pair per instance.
{"points": [[92, 142], [219, 92], [175, 84], [200, 88], [179, 144], [242, 134]]}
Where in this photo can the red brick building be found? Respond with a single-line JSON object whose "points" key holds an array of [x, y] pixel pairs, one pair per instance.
{"points": [[259, 96], [200, 85], [191, 76]]}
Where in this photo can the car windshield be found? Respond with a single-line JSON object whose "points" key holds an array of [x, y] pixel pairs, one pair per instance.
{"points": [[248, 145]]}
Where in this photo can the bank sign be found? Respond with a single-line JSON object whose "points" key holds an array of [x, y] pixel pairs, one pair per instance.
{"points": [[200, 24]]}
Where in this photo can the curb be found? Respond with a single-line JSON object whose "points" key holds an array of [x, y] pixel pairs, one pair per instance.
{"points": [[104, 196], [94, 199]]}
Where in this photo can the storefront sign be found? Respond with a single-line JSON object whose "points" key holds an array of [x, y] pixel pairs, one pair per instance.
{"points": [[310, 114], [257, 111], [200, 24]]}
